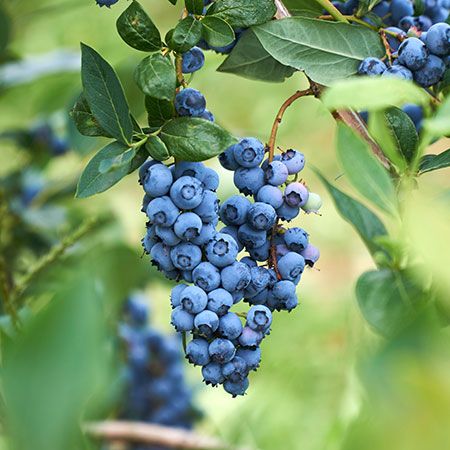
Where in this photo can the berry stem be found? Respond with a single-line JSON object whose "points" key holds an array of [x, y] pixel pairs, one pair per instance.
{"points": [[387, 47], [179, 67], [334, 12], [273, 251]]}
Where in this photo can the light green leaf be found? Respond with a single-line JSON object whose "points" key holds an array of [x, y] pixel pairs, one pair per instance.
{"points": [[439, 125], [216, 32], [429, 163], [157, 149]]}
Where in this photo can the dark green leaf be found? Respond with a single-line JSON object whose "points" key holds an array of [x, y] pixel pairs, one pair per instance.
{"points": [[303, 7], [444, 85], [217, 32], [93, 181], [156, 77], [157, 149], [434, 162], [5, 29], [249, 59], [84, 120], [194, 6], [366, 223], [193, 139], [364, 171], [137, 29], [174, 2], [243, 13], [105, 95], [117, 162], [159, 111], [327, 51], [186, 34], [389, 300]]}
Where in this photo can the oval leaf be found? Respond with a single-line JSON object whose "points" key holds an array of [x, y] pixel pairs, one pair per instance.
{"points": [[429, 163], [157, 149], [159, 111], [216, 32], [186, 34], [137, 29], [194, 6]]}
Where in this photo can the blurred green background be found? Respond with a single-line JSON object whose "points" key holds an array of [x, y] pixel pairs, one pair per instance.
{"points": [[326, 380]]}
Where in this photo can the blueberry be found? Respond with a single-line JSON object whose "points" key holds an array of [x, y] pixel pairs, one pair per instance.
{"points": [[221, 250], [212, 374], [311, 254], [236, 389], [186, 256], [259, 281], [259, 318], [249, 262], [415, 113], [286, 212], [207, 232], [210, 179], [296, 194], [313, 204], [291, 265], [249, 152], [250, 237], [296, 239], [260, 253], [237, 296], [206, 323], [227, 159], [136, 309], [188, 226], [193, 299], [206, 276], [182, 320], [234, 210], [412, 53], [423, 23], [190, 102], [149, 240], [106, 3], [219, 301], [438, 39], [382, 9], [394, 42], [283, 290], [371, 66], [398, 71], [439, 15], [160, 255], [187, 192], [236, 370], [276, 173], [208, 115], [261, 216], [145, 202], [186, 275], [271, 195], [233, 232], [407, 22], [250, 338], [175, 295], [197, 352], [162, 211], [230, 326], [189, 169], [158, 180], [193, 60], [251, 356], [431, 73], [167, 235], [249, 181], [400, 9], [293, 160], [235, 277], [221, 350]]}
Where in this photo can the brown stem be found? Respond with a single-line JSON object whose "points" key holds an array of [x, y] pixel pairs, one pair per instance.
{"points": [[387, 47], [179, 67], [273, 251]]}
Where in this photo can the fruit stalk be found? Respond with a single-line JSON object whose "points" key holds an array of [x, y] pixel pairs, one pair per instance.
{"points": [[334, 12]]}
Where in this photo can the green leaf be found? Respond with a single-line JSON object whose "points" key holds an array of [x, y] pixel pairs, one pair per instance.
{"points": [[303, 7], [217, 32], [249, 59], [374, 93], [186, 34], [194, 6], [439, 125], [194, 139], [243, 13], [389, 300], [366, 223], [137, 29], [117, 162], [327, 51], [159, 111], [156, 77], [93, 181], [105, 95], [84, 120], [429, 163], [5, 29], [364, 171], [157, 149], [174, 2]]}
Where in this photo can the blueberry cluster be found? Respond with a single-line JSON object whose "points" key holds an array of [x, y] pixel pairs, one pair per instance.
{"points": [[155, 388]]}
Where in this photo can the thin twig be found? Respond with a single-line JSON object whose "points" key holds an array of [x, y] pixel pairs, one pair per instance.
{"points": [[332, 10], [179, 67], [386, 45]]}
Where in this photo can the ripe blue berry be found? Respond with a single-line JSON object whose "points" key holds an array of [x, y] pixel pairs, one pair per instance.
{"points": [[276, 173], [193, 299], [233, 232], [406, 23], [136, 310], [206, 276], [221, 350], [291, 266], [249, 262], [149, 240], [249, 152], [186, 256], [431, 73], [250, 338], [221, 250], [207, 232], [182, 320], [296, 194], [250, 237], [210, 179], [188, 226], [190, 102], [233, 211], [206, 323], [259, 281], [197, 352], [189, 169], [187, 192], [162, 211], [235, 277], [251, 356], [212, 374], [208, 115], [236, 389], [293, 160], [236, 370], [230, 326], [311, 254], [393, 41], [167, 235], [261, 216], [193, 60], [158, 180], [260, 253], [412, 53], [249, 181], [259, 318], [219, 301], [400, 9], [175, 295], [438, 39], [160, 255], [286, 212], [296, 239], [398, 71], [271, 195], [371, 66], [227, 159], [283, 290]]}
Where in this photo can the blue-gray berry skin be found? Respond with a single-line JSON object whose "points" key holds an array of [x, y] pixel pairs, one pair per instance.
{"points": [[250, 338], [250, 237], [162, 211], [236, 370], [400, 9], [186, 275], [175, 295], [193, 299], [281, 250], [219, 301], [193, 60], [221, 350], [235, 277], [206, 323], [237, 296], [296, 194], [251, 356], [296, 239], [182, 320], [208, 115], [431, 73], [261, 216], [145, 202], [207, 232], [271, 195], [188, 226], [286, 212], [160, 255], [190, 102], [167, 235], [236, 389], [260, 253], [149, 240], [233, 211], [438, 39], [283, 290], [259, 299], [259, 318], [311, 255], [186, 256], [250, 262], [412, 53], [189, 169], [406, 23], [221, 250], [249, 181], [398, 71], [227, 159], [210, 179], [212, 374], [233, 232], [230, 326], [197, 352], [291, 266], [158, 180], [144, 168], [393, 41], [206, 276], [187, 192], [293, 160], [372, 67], [276, 173], [259, 281], [249, 152]]}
